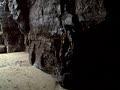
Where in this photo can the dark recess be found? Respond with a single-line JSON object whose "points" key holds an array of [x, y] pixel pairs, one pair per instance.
{"points": [[96, 54]]}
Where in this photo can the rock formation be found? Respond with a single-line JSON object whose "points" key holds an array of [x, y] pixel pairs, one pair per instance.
{"points": [[56, 32], [13, 39], [55, 27]]}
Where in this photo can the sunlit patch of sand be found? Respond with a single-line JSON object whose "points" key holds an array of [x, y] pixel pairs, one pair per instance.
{"points": [[17, 74]]}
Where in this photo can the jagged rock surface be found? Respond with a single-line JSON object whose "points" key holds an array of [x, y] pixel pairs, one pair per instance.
{"points": [[13, 39], [55, 26], [54, 30]]}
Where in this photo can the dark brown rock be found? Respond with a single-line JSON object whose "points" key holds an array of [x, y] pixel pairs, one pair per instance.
{"points": [[13, 39]]}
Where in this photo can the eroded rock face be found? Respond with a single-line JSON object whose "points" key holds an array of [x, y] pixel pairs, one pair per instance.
{"points": [[13, 39], [55, 31]]}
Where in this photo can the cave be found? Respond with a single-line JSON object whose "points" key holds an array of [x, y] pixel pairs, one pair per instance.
{"points": [[75, 43]]}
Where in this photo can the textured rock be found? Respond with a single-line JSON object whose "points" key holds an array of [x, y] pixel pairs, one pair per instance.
{"points": [[91, 10], [13, 39], [2, 49], [56, 32], [55, 27], [1, 38]]}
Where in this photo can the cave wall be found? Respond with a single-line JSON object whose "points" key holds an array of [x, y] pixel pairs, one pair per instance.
{"points": [[13, 39], [56, 32], [57, 29], [66, 37]]}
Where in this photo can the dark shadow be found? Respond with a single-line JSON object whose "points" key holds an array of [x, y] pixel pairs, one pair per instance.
{"points": [[69, 5], [96, 53], [24, 7]]}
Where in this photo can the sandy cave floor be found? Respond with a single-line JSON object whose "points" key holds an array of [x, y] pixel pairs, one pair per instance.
{"points": [[17, 74]]}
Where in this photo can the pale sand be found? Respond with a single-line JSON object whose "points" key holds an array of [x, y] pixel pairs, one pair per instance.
{"points": [[17, 74]]}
